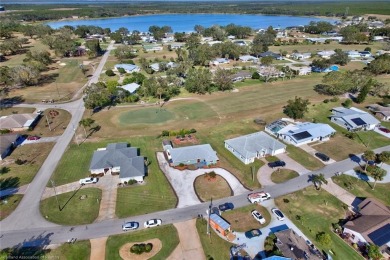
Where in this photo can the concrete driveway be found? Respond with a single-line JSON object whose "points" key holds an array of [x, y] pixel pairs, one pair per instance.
{"points": [[376, 129], [183, 181], [311, 150], [344, 196]]}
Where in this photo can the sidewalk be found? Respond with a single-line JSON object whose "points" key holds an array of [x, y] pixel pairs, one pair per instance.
{"points": [[351, 200], [98, 248]]}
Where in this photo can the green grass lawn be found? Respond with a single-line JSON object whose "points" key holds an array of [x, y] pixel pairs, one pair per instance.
{"points": [[271, 158], [149, 115], [16, 110], [216, 188], [214, 247], [155, 195], [283, 175], [8, 204], [241, 219], [75, 211], [81, 250], [317, 211], [167, 234], [363, 189], [71, 71], [305, 159], [32, 156]]}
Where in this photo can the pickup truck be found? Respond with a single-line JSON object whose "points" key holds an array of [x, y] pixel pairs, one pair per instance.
{"points": [[258, 197], [88, 181]]}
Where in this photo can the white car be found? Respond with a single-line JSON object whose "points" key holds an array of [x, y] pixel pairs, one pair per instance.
{"points": [[279, 215], [258, 216], [130, 225], [88, 181], [152, 223]]}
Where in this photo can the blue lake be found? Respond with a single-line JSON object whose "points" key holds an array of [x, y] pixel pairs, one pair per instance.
{"points": [[186, 22]]}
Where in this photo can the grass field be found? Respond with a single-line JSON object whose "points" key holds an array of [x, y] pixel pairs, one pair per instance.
{"points": [[302, 157], [15, 110], [317, 210], [241, 219], [167, 234], [283, 175], [150, 115], [32, 156], [75, 210], [214, 247], [81, 250], [363, 189], [58, 123], [215, 188], [9, 204]]}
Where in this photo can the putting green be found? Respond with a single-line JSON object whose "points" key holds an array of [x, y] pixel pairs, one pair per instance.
{"points": [[150, 115]]}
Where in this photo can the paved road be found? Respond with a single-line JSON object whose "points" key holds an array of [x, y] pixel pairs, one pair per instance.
{"points": [[27, 215], [45, 233]]}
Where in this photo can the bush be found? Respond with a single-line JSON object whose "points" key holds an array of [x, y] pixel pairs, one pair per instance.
{"points": [[212, 175], [5, 131], [192, 131], [129, 62], [326, 101], [347, 103], [19, 162], [255, 75], [121, 71], [334, 99], [367, 49], [148, 247], [131, 182], [141, 248], [110, 73]]}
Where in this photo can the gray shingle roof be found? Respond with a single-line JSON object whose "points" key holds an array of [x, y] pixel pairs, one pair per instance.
{"points": [[194, 152], [17, 120], [249, 145], [119, 155], [350, 114], [6, 141]]}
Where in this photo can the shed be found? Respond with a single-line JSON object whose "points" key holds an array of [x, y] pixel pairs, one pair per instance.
{"points": [[219, 224]]}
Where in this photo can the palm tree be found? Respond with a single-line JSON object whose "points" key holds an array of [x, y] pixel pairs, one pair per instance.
{"points": [[383, 157], [368, 155], [86, 122], [378, 174], [318, 180]]}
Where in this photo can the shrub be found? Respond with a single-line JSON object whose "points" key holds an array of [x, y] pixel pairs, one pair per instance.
{"points": [[165, 133], [129, 62], [110, 73], [347, 103], [141, 248], [192, 131], [19, 162], [181, 165], [367, 49], [5, 131], [326, 101], [121, 71], [351, 135], [212, 175], [131, 182], [135, 249], [255, 75], [148, 247], [334, 99]]}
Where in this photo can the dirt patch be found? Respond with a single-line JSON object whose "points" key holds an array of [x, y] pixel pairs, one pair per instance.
{"points": [[125, 253]]}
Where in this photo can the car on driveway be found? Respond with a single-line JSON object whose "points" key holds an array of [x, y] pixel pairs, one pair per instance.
{"points": [[132, 225], [253, 233], [226, 206], [322, 156], [33, 138], [258, 216], [88, 181], [385, 130], [279, 215], [277, 164], [152, 223]]}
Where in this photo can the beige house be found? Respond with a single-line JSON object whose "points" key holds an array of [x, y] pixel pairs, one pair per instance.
{"points": [[19, 122]]}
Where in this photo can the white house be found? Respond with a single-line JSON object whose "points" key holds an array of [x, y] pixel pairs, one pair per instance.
{"points": [[152, 47], [353, 54], [383, 113], [129, 68], [132, 87], [119, 158], [301, 71], [257, 145], [220, 61], [301, 56], [325, 54], [299, 133], [353, 119], [248, 58]]}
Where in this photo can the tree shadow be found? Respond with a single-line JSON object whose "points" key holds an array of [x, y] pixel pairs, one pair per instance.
{"points": [[48, 78], [33, 248], [94, 130], [9, 183], [355, 158], [70, 198], [11, 101]]}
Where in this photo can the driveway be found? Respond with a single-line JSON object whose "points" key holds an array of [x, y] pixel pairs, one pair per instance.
{"points": [[41, 140], [344, 196], [183, 181], [310, 150], [376, 129]]}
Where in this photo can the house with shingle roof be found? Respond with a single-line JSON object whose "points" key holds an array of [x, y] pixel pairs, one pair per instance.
{"points": [[381, 112], [19, 122], [7, 143], [256, 145], [119, 158], [353, 119], [197, 155], [299, 133], [372, 224]]}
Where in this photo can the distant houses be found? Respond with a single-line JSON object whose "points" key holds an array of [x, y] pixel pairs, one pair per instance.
{"points": [[353, 119], [248, 58], [247, 148], [301, 56], [299, 133], [152, 47], [132, 87], [328, 69], [381, 112], [129, 68], [325, 54], [274, 55]]}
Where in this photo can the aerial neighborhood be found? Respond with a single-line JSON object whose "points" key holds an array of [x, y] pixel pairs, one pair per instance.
{"points": [[192, 130]]}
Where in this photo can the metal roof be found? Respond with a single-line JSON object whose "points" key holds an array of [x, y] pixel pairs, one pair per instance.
{"points": [[354, 117], [220, 221], [300, 132], [132, 87], [194, 152]]}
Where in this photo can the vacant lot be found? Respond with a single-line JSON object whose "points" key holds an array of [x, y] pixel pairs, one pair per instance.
{"points": [[58, 120], [215, 188], [304, 158], [23, 163], [16, 110], [241, 219], [75, 208], [314, 211], [167, 234]]}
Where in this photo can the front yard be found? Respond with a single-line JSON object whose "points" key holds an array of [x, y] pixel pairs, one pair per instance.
{"points": [[9, 204], [241, 219], [207, 187]]}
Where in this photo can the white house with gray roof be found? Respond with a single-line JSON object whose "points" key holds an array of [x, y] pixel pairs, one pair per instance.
{"points": [[198, 155], [257, 145], [353, 119], [119, 158], [299, 133]]}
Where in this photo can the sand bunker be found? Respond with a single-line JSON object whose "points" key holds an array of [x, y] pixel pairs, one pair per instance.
{"points": [[125, 253]]}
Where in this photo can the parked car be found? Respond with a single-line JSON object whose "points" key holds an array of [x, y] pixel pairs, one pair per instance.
{"points": [[152, 223], [277, 164], [258, 216], [385, 130], [322, 156], [226, 206], [88, 181], [258, 197], [33, 138], [279, 215], [132, 225], [253, 233]]}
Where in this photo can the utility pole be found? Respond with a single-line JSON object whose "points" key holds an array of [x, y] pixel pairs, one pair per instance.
{"points": [[55, 193], [48, 123], [75, 137], [208, 222]]}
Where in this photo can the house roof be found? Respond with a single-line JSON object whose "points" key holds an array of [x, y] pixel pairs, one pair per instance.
{"points": [[128, 67], [293, 246], [354, 117], [6, 141], [270, 54], [302, 132], [373, 222], [242, 74], [249, 145], [220, 221], [119, 155], [248, 58], [155, 66], [17, 120], [132, 87], [194, 152]]}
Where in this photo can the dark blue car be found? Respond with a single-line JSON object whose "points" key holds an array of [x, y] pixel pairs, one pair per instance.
{"points": [[226, 206]]}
